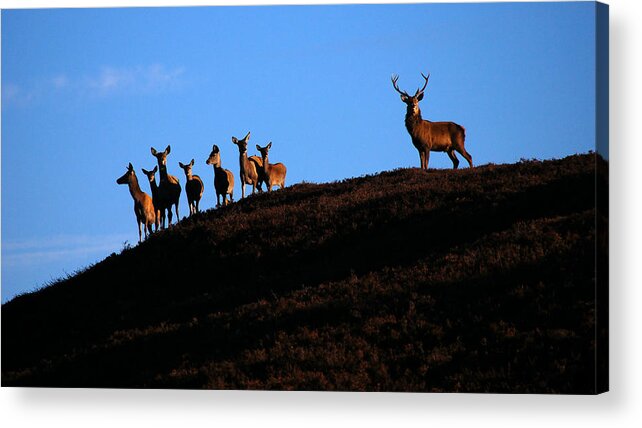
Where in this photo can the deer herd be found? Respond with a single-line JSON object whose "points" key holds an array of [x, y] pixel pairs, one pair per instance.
{"points": [[151, 212]]}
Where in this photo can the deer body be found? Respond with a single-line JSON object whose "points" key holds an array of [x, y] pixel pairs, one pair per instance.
{"points": [[169, 188], [143, 205], [258, 165], [249, 167], [223, 178], [429, 136], [193, 187], [156, 199], [274, 173]]}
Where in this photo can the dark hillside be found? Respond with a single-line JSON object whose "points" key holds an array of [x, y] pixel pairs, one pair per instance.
{"points": [[472, 280]]}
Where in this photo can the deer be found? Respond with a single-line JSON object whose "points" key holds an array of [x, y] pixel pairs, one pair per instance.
{"points": [[431, 136], [251, 169], [156, 200], [193, 187], [223, 178], [143, 205], [275, 173], [169, 188]]}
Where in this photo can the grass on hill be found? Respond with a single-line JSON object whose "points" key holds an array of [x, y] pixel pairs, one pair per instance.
{"points": [[473, 280]]}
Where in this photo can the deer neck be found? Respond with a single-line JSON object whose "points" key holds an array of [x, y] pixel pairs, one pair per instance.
{"points": [[162, 171], [243, 161], [413, 118], [134, 188], [217, 166], [266, 164], [153, 185]]}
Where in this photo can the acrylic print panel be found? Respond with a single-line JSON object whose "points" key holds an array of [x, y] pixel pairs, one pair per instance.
{"points": [[351, 197]]}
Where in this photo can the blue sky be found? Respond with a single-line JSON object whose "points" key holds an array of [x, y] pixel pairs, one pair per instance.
{"points": [[86, 91]]}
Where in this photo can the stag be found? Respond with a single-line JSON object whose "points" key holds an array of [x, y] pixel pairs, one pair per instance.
{"points": [[431, 136]]}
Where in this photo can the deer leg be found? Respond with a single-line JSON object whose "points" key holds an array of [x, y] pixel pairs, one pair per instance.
{"points": [[139, 231], [176, 208], [467, 156], [242, 190], [453, 157], [422, 159], [426, 158]]}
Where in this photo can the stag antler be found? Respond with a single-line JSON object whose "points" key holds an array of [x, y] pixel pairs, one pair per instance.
{"points": [[394, 78], [421, 91]]}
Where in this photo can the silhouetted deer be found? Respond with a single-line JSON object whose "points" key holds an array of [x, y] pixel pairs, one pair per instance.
{"points": [[193, 187], [223, 178], [169, 186], [251, 169], [156, 199], [431, 136], [274, 174], [143, 205]]}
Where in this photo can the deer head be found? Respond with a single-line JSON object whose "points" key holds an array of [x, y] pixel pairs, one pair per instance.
{"points": [[161, 156], [150, 174], [264, 150], [126, 178], [215, 156], [187, 168], [242, 144], [411, 102]]}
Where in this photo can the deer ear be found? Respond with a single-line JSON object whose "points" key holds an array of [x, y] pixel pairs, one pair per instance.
{"points": [[130, 167], [154, 151], [168, 149], [235, 140], [215, 148], [404, 98], [247, 137], [181, 165], [258, 147], [155, 169], [191, 163], [420, 97], [269, 146]]}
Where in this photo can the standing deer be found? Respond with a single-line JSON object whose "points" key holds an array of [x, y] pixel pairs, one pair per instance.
{"points": [[156, 199], [143, 205], [251, 171], [223, 178], [193, 187], [169, 187], [431, 136], [274, 174]]}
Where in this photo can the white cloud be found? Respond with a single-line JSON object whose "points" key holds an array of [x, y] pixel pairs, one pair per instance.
{"points": [[107, 81], [59, 81], [142, 79], [35, 251], [13, 94]]}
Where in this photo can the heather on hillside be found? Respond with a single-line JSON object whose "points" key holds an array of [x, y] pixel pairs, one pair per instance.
{"points": [[474, 280]]}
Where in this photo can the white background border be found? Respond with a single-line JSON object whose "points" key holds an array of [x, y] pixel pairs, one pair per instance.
{"points": [[620, 407]]}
